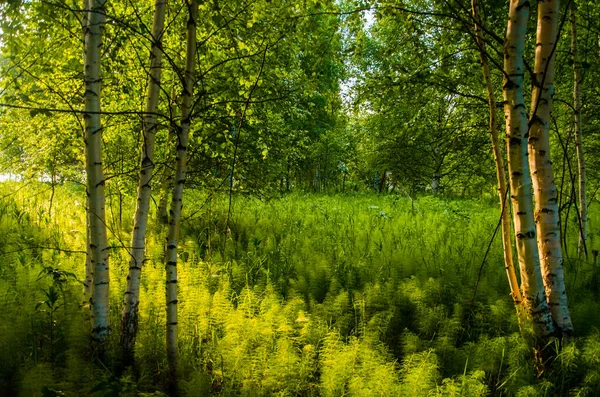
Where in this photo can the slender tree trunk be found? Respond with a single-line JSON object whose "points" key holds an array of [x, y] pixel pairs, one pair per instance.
{"points": [[383, 182], [435, 182], [89, 270], [167, 178], [325, 168], [583, 211], [534, 297], [287, 178], [52, 188], [129, 319], [88, 285], [97, 242], [176, 199], [546, 194], [166, 183], [499, 160]]}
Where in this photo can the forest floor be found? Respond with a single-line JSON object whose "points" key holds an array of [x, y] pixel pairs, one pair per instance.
{"points": [[356, 294]]}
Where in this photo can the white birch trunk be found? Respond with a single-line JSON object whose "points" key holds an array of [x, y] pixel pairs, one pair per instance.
{"points": [[129, 319], [162, 214], [546, 194], [435, 183], [499, 160], [176, 199], [88, 285], [89, 270], [97, 243], [534, 297]]}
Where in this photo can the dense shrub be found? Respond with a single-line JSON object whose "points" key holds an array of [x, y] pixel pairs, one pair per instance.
{"points": [[302, 295]]}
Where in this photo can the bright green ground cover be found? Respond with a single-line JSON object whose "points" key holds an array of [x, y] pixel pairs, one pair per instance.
{"points": [[359, 295]]}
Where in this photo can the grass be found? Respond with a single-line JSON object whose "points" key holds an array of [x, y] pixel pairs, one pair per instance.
{"points": [[300, 295]]}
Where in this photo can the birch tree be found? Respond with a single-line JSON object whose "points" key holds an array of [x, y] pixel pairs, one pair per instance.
{"points": [[89, 270], [129, 319], [546, 195], [520, 181], [97, 242], [162, 215], [498, 159], [177, 195]]}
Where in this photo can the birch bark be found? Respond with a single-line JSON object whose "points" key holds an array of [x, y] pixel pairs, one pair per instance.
{"points": [[89, 270], [176, 199], [129, 318], [498, 159], [534, 297], [545, 192], [162, 214], [98, 243]]}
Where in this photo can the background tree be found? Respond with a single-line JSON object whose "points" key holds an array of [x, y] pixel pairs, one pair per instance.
{"points": [[498, 158], [129, 321], [95, 173]]}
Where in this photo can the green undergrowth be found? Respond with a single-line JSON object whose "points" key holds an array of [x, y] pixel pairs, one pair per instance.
{"points": [[359, 295]]}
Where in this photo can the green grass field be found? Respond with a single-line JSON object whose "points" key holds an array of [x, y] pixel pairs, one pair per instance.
{"points": [[354, 295]]}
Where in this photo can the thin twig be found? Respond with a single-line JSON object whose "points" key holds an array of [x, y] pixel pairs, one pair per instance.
{"points": [[489, 247]]}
